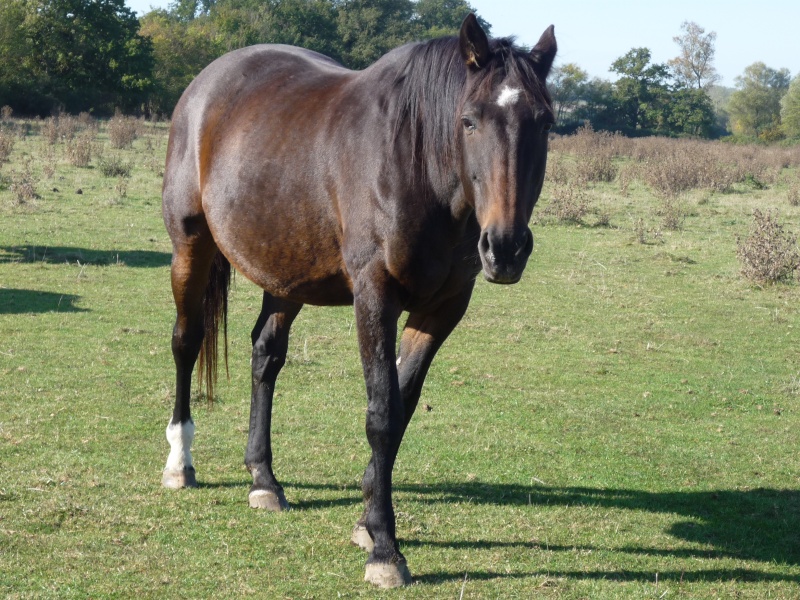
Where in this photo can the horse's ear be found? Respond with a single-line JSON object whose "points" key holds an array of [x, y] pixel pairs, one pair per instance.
{"points": [[474, 43], [544, 52]]}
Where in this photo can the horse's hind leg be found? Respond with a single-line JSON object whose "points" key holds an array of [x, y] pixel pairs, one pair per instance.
{"points": [[423, 335], [270, 342], [191, 263]]}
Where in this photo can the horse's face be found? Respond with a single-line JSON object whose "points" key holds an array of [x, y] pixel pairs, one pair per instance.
{"points": [[505, 120]]}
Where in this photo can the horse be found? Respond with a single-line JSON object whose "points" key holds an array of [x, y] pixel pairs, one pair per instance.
{"points": [[389, 189]]}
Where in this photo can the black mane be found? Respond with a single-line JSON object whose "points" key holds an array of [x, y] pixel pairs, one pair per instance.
{"points": [[432, 91]]}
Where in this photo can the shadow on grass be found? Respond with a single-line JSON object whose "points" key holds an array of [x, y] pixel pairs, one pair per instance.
{"points": [[60, 254], [699, 575], [759, 524], [17, 302]]}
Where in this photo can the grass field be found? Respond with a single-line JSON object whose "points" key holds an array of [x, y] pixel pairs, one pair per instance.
{"points": [[621, 424]]}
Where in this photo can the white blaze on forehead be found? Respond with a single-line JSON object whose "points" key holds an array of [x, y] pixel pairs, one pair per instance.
{"points": [[508, 96]]}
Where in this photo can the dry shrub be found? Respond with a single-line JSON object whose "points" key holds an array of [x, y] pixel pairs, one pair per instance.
{"points": [[769, 253], [594, 152], [672, 167], [672, 214], [793, 192], [50, 130], [122, 131], [114, 166], [79, 149], [625, 176], [121, 187], [155, 164], [6, 112], [568, 203], [6, 144], [67, 126], [596, 167], [558, 171], [23, 184]]}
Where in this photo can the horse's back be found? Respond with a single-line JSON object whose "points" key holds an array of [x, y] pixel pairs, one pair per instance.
{"points": [[245, 159]]}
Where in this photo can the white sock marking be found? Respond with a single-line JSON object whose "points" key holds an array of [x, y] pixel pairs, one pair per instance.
{"points": [[508, 96], [180, 437]]}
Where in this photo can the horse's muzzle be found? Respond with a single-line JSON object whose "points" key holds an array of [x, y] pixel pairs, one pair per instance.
{"points": [[504, 254]]}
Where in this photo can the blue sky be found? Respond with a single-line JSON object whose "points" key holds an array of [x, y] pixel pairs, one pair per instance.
{"points": [[594, 34]]}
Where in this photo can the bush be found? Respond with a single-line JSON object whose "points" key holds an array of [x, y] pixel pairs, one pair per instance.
{"points": [[23, 184], [122, 131], [769, 253], [6, 145], [114, 166], [568, 203], [79, 149]]}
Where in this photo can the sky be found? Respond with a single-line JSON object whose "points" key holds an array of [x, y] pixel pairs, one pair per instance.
{"points": [[594, 34]]}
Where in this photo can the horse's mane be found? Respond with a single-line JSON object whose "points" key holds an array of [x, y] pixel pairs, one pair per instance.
{"points": [[432, 90]]}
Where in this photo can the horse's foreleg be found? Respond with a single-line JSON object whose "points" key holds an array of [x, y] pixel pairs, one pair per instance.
{"points": [[423, 335], [377, 311], [270, 342], [190, 268]]}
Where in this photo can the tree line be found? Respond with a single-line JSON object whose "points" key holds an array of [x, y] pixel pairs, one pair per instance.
{"points": [[97, 56], [680, 97]]}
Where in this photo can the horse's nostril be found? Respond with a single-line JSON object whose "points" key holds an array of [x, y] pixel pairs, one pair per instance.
{"points": [[526, 245], [483, 243]]}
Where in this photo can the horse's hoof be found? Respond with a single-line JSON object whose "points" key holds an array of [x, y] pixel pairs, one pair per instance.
{"points": [[268, 500], [361, 538], [388, 575], [177, 479]]}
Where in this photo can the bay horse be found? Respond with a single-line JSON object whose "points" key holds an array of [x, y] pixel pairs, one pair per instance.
{"points": [[389, 189]]}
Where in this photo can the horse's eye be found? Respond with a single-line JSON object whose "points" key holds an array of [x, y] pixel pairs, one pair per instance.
{"points": [[468, 124], [547, 127]]}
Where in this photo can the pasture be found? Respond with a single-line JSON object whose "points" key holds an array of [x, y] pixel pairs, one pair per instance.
{"points": [[622, 423]]}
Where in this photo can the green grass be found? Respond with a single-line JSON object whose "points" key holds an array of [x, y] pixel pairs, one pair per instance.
{"points": [[621, 424]]}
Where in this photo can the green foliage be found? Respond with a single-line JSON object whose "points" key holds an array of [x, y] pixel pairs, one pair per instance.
{"points": [[755, 106], [191, 34], [79, 55], [790, 110], [181, 49], [370, 28], [641, 91], [437, 18], [691, 113], [567, 84]]}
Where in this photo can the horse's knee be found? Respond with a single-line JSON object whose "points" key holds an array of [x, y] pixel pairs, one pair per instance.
{"points": [[266, 362], [187, 340]]}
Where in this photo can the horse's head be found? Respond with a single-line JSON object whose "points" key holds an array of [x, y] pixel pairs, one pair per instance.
{"points": [[505, 116]]}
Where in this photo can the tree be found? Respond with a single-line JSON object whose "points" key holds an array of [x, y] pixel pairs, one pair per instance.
{"points": [[567, 85], [181, 49], [691, 113], [790, 110], [13, 51], [437, 18], [755, 107], [370, 28], [87, 54], [695, 65], [641, 91]]}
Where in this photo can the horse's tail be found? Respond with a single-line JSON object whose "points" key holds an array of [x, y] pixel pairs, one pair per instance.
{"points": [[215, 309]]}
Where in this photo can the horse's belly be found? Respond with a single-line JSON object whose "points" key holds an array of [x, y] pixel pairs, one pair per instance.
{"points": [[288, 258]]}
